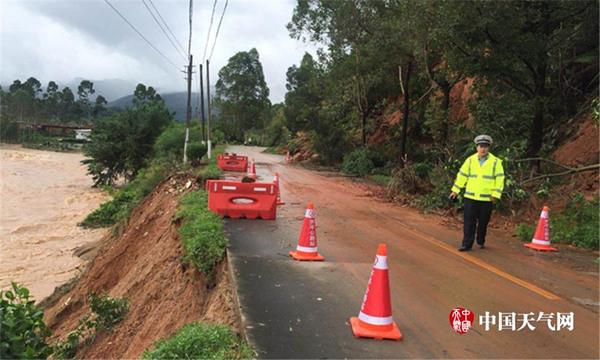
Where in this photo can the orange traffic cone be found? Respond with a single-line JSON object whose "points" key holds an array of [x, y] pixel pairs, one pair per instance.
{"points": [[251, 170], [307, 243], [541, 238], [375, 317], [276, 182]]}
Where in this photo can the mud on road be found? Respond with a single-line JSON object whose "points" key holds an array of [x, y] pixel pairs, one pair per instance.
{"points": [[298, 310]]}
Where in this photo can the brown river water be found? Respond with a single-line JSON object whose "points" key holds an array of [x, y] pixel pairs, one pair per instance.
{"points": [[43, 195]]}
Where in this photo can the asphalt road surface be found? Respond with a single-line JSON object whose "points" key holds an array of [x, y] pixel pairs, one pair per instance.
{"points": [[301, 309]]}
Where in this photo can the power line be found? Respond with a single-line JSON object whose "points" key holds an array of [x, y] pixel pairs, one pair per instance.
{"points": [[163, 30], [167, 26], [218, 28], [209, 28], [142, 36]]}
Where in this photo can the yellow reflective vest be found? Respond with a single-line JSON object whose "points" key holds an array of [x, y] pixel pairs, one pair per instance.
{"points": [[482, 181]]}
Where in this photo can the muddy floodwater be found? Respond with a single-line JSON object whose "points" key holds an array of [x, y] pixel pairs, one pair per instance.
{"points": [[43, 195]]}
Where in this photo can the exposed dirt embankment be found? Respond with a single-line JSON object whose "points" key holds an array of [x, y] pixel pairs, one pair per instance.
{"points": [[144, 265]]}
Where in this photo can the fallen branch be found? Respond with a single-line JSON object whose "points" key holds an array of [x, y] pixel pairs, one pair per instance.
{"points": [[568, 172]]}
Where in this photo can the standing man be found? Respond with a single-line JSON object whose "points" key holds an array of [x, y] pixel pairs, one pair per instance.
{"points": [[483, 176]]}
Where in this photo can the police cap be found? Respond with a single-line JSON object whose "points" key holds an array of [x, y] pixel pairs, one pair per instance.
{"points": [[483, 140]]}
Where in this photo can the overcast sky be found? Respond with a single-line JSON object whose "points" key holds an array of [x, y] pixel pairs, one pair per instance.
{"points": [[66, 39]]}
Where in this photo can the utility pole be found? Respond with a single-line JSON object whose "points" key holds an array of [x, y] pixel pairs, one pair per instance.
{"points": [[208, 106], [188, 113], [202, 103]]}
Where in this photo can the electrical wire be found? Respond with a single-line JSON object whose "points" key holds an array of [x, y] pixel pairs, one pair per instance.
{"points": [[167, 26], [209, 29], [163, 30], [142, 36], [218, 28]]}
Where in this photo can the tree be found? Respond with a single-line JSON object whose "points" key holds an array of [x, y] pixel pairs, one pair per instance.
{"points": [[51, 101], [99, 106], [525, 45], [303, 96], [242, 94], [143, 95], [84, 90], [122, 143]]}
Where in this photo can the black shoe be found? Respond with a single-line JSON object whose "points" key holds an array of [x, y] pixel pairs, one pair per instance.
{"points": [[482, 246], [464, 248]]}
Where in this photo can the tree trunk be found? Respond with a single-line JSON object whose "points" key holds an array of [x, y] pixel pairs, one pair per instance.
{"points": [[536, 136], [405, 112], [446, 110]]}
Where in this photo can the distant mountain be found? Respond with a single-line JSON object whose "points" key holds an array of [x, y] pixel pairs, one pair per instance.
{"points": [[176, 102]]}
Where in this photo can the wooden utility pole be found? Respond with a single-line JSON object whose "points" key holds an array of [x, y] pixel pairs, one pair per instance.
{"points": [[188, 113], [208, 106]]}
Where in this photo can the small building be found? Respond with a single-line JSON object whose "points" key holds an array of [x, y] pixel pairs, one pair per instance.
{"points": [[83, 134]]}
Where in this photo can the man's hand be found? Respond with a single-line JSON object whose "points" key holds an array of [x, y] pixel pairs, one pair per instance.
{"points": [[494, 200], [453, 195]]}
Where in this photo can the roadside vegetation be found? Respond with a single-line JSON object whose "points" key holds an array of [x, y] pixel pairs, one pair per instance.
{"points": [[24, 334], [577, 224], [106, 312], [201, 341], [201, 233]]}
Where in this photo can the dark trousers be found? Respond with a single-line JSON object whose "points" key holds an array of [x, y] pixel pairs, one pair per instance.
{"points": [[477, 215]]}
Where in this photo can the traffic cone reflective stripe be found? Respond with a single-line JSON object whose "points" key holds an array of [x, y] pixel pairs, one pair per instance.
{"points": [[541, 238], [375, 318], [276, 182], [307, 242]]}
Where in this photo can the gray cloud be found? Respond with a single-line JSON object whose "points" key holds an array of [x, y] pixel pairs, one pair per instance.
{"points": [[63, 39]]}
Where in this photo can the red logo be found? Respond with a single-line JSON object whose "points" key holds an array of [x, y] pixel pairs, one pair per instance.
{"points": [[461, 319]]}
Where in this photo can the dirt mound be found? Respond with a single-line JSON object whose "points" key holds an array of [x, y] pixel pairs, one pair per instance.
{"points": [[144, 265], [583, 147]]}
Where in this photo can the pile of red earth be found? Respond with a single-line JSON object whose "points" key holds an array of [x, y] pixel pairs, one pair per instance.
{"points": [[144, 265]]}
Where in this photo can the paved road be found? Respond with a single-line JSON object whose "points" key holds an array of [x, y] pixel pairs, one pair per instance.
{"points": [[300, 310]]}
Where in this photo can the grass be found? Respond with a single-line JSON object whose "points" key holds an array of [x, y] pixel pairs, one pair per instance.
{"points": [[201, 341], [380, 179], [127, 198], [201, 233]]}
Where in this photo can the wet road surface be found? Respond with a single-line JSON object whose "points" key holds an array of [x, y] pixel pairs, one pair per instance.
{"points": [[301, 309]]}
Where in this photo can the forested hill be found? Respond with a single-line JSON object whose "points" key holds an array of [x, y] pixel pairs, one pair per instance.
{"points": [[176, 102]]}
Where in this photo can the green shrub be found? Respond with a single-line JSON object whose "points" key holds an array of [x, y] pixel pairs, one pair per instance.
{"points": [[422, 169], [169, 144], [201, 232], [196, 152], [23, 332], [524, 232], [578, 224], [109, 311], [201, 341], [358, 163], [210, 171], [106, 312]]}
